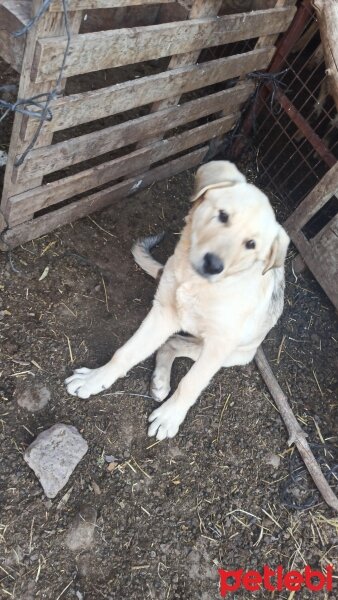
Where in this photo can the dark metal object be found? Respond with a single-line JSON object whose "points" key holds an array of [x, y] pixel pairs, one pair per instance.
{"points": [[294, 127], [283, 48], [305, 128]]}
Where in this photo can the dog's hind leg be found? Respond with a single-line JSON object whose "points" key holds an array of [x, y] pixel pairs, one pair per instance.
{"points": [[175, 347]]}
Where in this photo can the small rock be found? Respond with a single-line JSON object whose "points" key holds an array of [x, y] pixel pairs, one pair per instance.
{"points": [[33, 397], [54, 455], [81, 533], [3, 158], [112, 466], [110, 458], [273, 459], [96, 488]]}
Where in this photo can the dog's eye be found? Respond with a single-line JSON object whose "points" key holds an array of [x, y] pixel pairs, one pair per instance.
{"points": [[250, 244], [223, 216]]}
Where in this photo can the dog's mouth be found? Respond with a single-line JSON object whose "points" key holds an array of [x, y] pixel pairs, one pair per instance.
{"points": [[200, 271]]}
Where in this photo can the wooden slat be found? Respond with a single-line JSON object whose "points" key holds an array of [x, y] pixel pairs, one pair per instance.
{"points": [[11, 49], [319, 253], [200, 9], [321, 193], [327, 14], [198, 108], [3, 222], [321, 258], [57, 6], [323, 239], [107, 49], [42, 225], [21, 207], [97, 104], [14, 14], [231, 6], [54, 25], [270, 40], [59, 156]]}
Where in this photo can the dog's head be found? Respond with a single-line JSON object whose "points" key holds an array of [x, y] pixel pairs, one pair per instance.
{"points": [[232, 224]]}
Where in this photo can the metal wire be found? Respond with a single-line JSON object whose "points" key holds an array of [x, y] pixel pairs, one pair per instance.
{"points": [[288, 162], [43, 8], [41, 101], [19, 107]]}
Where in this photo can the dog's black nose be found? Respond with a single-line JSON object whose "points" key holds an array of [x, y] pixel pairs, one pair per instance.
{"points": [[212, 264]]}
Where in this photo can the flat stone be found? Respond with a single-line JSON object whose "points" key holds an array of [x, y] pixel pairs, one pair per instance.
{"points": [[3, 158], [32, 397], [273, 460], [81, 532], [53, 456]]}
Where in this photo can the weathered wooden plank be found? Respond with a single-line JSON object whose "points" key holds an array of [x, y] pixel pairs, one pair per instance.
{"points": [[97, 104], [321, 193], [231, 6], [106, 49], [59, 156], [193, 137], [3, 222], [14, 14], [321, 257], [323, 240], [54, 25], [42, 225], [208, 105], [327, 13], [11, 49], [20, 208], [57, 6], [199, 9], [319, 253], [270, 39]]}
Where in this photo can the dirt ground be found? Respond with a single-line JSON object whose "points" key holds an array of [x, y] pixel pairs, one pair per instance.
{"points": [[168, 514]]}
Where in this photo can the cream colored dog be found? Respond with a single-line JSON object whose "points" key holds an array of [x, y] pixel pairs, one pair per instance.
{"points": [[224, 285]]}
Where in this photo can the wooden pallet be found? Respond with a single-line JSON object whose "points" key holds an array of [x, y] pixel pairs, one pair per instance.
{"points": [[319, 252], [149, 145]]}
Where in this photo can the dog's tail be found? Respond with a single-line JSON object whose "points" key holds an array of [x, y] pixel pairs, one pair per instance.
{"points": [[141, 253]]}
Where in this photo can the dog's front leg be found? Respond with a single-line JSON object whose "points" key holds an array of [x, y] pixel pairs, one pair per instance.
{"points": [[159, 324], [165, 421]]}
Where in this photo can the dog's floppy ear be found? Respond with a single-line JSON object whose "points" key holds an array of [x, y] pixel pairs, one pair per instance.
{"points": [[278, 250], [216, 174]]}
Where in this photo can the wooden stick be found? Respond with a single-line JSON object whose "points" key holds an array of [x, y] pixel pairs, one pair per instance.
{"points": [[327, 14], [296, 434]]}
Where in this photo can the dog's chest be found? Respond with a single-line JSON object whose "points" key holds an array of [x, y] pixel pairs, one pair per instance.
{"points": [[191, 310], [218, 310]]}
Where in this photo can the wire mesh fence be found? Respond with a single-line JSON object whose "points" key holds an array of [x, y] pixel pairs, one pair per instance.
{"points": [[295, 135]]}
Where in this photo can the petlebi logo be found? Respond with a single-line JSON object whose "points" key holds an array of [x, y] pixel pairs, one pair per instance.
{"points": [[275, 580]]}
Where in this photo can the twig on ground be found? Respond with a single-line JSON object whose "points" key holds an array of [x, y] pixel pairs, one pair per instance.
{"points": [[296, 434]]}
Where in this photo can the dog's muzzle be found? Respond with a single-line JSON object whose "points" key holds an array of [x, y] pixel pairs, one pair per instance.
{"points": [[211, 264]]}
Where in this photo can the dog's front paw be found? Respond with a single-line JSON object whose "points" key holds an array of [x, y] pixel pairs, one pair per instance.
{"points": [[166, 420], [87, 382]]}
